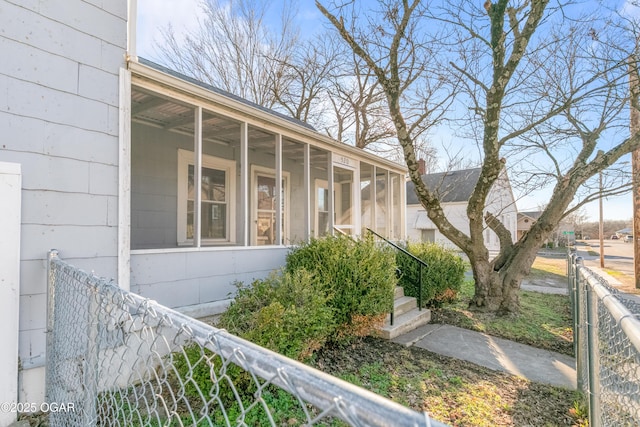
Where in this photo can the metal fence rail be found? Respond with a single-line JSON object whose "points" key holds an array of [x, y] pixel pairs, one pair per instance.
{"points": [[117, 359], [607, 347]]}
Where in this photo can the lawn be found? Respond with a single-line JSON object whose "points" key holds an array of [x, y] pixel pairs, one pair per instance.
{"points": [[452, 391]]}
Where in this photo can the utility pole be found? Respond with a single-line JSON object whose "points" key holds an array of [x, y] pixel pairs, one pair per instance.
{"points": [[601, 226], [634, 124]]}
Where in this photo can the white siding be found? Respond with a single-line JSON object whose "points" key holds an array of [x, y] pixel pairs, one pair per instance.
{"points": [[59, 118], [500, 202]]}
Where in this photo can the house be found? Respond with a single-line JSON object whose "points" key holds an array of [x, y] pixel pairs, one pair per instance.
{"points": [[526, 220], [170, 186], [562, 234], [454, 189]]}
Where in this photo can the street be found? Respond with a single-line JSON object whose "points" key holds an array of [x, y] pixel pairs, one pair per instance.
{"points": [[618, 256]]}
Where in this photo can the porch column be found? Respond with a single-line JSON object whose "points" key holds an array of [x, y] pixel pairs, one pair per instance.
{"points": [[330, 204], [403, 207], [278, 189], [389, 202], [124, 181], [244, 181], [307, 192], [374, 198], [197, 177], [357, 201]]}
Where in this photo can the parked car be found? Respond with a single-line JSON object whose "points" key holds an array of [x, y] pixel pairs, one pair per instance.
{"points": [[628, 238], [614, 237]]}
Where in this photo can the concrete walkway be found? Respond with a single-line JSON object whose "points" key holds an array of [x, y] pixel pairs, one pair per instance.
{"points": [[532, 363]]}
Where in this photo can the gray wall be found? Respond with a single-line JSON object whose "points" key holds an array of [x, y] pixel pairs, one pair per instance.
{"points": [[59, 119], [188, 277]]}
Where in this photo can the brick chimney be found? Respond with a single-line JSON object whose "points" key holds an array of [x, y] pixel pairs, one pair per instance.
{"points": [[422, 166]]}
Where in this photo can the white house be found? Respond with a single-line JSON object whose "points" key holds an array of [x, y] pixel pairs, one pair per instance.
{"points": [[172, 187], [454, 189]]}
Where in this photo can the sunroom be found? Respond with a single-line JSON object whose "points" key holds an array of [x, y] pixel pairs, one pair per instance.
{"points": [[221, 189]]}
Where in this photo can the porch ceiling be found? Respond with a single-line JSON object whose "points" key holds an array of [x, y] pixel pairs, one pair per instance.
{"points": [[152, 109]]}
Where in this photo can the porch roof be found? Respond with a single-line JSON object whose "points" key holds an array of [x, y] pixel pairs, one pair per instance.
{"points": [[145, 71]]}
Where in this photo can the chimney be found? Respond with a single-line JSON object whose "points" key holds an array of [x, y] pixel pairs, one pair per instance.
{"points": [[422, 166]]}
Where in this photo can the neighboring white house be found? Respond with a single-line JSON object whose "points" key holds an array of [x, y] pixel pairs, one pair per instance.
{"points": [[164, 183], [454, 189]]}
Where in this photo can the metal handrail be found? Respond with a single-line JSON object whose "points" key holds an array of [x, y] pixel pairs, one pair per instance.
{"points": [[420, 262]]}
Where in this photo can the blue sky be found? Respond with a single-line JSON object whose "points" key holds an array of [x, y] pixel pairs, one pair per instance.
{"points": [[183, 14]]}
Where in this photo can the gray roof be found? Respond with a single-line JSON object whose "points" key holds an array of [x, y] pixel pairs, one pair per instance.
{"points": [[224, 93], [451, 186], [531, 214]]}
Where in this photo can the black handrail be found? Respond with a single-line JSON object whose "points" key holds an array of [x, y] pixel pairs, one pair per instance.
{"points": [[420, 262]]}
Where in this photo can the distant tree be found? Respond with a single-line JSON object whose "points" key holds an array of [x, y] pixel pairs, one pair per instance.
{"points": [[314, 79], [531, 81], [233, 48]]}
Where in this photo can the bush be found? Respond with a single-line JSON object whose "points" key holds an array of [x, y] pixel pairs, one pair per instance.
{"points": [[442, 277], [286, 313], [358, 278]]}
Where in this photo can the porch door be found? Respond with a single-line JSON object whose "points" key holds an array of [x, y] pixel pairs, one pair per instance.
{"points": [[264, 214], [343, 203], [344, 200]]}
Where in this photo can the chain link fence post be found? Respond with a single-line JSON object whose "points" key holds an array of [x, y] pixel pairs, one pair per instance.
{"points": [[582, 352], [51, 295], [595, 415]]}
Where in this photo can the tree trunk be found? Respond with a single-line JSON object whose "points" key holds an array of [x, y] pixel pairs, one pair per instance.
{"points": [[495, 291]]}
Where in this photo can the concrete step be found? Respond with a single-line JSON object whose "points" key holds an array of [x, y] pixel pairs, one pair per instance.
{"points": [[404, 305], [405, 323], [398, 293]]}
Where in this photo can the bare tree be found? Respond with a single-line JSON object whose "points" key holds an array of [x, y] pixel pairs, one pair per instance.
{"points": [[233, 48], [314, 79], [358, 104], [537, 87]]}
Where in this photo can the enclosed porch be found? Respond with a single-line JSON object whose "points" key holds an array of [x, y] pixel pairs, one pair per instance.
{"points": [[221, 188]]}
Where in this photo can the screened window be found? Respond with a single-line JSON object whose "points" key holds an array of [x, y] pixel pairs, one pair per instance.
{"points": [[216, 199]]}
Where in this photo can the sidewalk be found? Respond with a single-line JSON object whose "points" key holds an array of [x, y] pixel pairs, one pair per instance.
{"points": [[532, 363], [499, 354]]}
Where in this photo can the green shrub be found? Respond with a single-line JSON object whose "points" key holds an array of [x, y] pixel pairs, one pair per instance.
{"points": [[286, 313], [358, 278], [442, 277]]}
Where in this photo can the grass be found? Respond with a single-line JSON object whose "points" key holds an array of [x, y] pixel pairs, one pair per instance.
{"points": [[553, 268], [452, 391]]}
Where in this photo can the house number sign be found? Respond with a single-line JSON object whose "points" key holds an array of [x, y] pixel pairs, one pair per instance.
{"points": [[343, 160]]}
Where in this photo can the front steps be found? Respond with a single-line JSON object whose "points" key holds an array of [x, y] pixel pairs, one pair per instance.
{"points": [[406, 317]]}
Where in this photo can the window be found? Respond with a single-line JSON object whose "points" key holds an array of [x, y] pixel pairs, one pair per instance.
{"points": [[322, 208], [217, 199]]}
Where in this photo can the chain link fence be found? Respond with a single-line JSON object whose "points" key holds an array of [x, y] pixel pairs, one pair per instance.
{"points": [[117, 359], [607, 347]]}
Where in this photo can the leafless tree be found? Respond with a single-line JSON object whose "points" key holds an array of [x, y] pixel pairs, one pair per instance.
{"points": [[233, 48], [314, 79], [538, 85]]}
